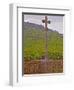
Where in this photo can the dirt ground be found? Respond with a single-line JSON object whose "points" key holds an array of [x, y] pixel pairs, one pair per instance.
{"points": [[41, 66]]}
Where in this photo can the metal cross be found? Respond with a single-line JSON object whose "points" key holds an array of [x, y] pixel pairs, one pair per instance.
{"points": [[46, 29]]}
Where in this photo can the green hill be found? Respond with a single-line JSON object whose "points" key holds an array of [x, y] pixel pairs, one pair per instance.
{"points": [[34, 43]]}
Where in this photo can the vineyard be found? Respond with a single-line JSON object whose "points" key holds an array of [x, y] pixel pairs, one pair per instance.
{"points": [[34, 47]]}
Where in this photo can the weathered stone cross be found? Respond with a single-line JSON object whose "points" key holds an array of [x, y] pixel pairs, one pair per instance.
{"points": [[46, 29]]}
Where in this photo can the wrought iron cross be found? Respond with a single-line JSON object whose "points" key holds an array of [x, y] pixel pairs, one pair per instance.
{"points": [[46, 29]]}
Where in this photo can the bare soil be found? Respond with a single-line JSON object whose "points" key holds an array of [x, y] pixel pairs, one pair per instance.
{"points": [[42, 66]]}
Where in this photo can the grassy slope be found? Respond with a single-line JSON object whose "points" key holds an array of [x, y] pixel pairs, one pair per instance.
{"points": [[34, 44]]}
